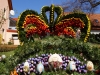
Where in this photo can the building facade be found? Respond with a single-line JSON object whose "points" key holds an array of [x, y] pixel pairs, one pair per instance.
{"points": [[6, 23], [95, 23]]}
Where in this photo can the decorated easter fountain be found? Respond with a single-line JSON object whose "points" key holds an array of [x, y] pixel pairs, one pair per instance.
{"points": [[42, 51]]}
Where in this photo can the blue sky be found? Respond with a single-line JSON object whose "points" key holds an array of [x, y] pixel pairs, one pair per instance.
{"points": [[20, 5]]}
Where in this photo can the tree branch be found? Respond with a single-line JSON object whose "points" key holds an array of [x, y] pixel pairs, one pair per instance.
{"points": [[96, 4]]}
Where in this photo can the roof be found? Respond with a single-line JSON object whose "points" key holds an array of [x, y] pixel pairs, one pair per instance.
{"points": [[15, 19], [95, 20], [10, 4]]}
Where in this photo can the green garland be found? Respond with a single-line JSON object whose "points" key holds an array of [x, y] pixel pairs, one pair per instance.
{"points": [[88, 30], [43, 13], [21, 18], [58, 45], [51, 15], [85, 19], [59, 12]]}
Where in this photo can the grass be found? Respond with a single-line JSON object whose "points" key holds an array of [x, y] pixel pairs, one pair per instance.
{"points": [[7, 50], [7, 53], [96, 45]]}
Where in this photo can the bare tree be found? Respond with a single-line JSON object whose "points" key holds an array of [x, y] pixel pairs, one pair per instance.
{"points": [[93, 3], [2, 17], [83, 5]]}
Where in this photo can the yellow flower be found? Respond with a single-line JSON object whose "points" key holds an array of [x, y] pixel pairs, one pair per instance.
{"points": [[22, 26]]}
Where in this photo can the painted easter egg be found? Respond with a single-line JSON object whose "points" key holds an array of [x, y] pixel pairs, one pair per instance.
{"points": [[72, 65], [90, 66], [55, 60], [26, 67], [40, 67]]}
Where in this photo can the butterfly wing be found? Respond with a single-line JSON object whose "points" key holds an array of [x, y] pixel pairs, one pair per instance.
{"points": [[66, 26], [30, 24]]}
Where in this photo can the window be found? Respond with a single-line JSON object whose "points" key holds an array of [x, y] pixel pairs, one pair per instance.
{"points": [[95, 20], [10, 28], [15, 36]]}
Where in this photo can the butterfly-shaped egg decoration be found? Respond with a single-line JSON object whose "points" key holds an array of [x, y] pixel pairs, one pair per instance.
{"points": [[30, 23], [40, 67]]}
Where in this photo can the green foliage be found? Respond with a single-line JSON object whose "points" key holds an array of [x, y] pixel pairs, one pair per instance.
{"points": [[59, 12], [4, 67], [43, 13], [55, 44], [94, 38], [57, 9], [63, 73], [9, 43], [51, 17], [7, 54], [20, 22]]}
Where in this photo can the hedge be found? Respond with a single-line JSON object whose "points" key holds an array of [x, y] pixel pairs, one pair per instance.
{"points": [[6, 48]]}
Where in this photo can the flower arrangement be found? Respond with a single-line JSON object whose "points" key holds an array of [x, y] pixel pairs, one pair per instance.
{"points": [[64, 27], [34, 25], [14, 72], [31, 23]]}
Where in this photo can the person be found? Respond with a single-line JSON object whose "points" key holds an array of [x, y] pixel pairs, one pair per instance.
{"points": [[78, 33]]}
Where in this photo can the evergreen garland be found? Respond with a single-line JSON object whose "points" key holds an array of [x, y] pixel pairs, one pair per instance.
{"points": [[43, 13], [85, 19], [55, 44], [59, 12], [21, 19]]}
